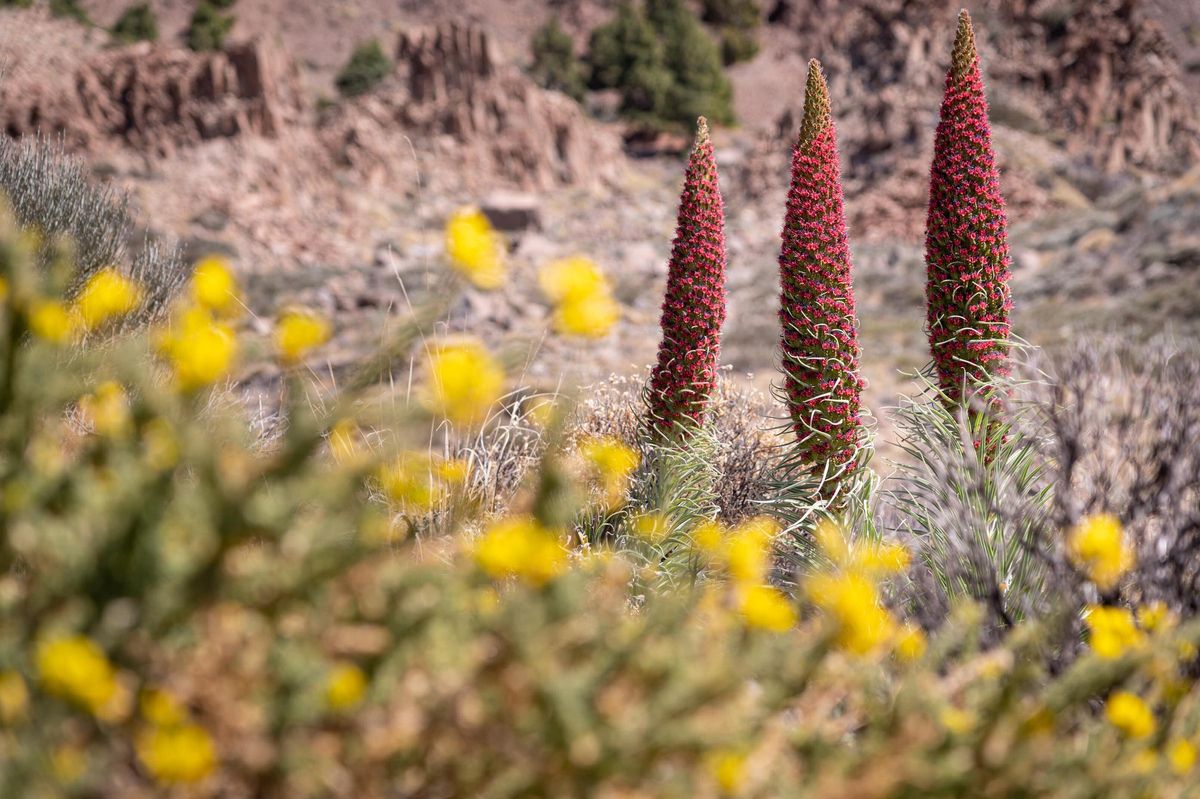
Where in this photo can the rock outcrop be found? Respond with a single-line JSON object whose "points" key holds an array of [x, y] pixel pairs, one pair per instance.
{"points": [[157, 98], [453, 99]]}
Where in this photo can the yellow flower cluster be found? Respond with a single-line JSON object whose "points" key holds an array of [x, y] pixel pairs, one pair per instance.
{"points": [[464, 382], [298, 332], [107, 409], [475, 249], [1097, 546], [199, 349], [612, 463], [214, 287], [75, 668], [745, 555], [521, 548], [848, 594], [345, 686], [172, 748], [419, 482], [1129, 714], [177, 754], [1113, 631], [106, 296], [582, 297], [14, 697]]}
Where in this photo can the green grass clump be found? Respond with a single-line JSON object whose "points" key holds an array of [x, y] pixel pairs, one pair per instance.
{"points": [[366, 69]]}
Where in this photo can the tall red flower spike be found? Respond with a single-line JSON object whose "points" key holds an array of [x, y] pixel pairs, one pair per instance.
{"points": [[966, 235], [694, 308], [819, 327]]}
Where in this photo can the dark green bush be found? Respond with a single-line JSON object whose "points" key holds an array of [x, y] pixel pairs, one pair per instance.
{"points": [[208, 27], [554, 63], [366, 68], [665, 65], [69, 9], [15, 3], [738, 22], [694, 61], [137, 24]]}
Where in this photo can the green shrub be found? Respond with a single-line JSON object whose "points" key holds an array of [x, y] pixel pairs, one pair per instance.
{"points": [[554, 63], [137, 24], [50, 192], [367, 67], [208, 27], [16, 3], [737, 45], [663, 62], [69, 9]]}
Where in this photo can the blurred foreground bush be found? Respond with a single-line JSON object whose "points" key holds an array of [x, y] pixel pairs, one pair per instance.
{"points": [[337, 613]]}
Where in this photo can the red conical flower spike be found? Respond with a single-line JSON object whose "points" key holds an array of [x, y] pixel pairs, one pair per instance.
{"points": [[819, 327], [966, 235], [694, 308]]}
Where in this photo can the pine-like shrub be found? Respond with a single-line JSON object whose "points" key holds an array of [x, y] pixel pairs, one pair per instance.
{"points": [[819, 340], [738, 22], [555, 65], [966, 237], [625, 54], [208, 27], [665, 65], [694, 307], [700, 87], [137, 24], [367, 67]]}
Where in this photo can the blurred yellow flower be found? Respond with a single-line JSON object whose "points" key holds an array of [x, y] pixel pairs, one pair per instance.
{"points": [[51, 321], [652, 526], [1129, 714], [851, 602], [412, 480], [3, 289], [1113, 631], [522, 548], [584, 305], [709, 537], [199, 349], [613, 462], [160, 448], [587, 317], [957, 721], [1097, 546], [14, 697], [106, 295], [1181, 754], [160, 708], [766, 608], [728, 770], [107, 409], [475, 249], [75, 668], [177, 754], [910, 643], [748, 550], [869, 557], [215, 288], [298, 332], [345, 686], [1155, 616], [68, 763], [464, 382], [345, 442]]}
